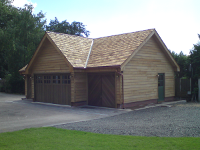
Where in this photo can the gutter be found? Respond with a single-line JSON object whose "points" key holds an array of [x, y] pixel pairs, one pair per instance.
{"points": [[89, 54]]}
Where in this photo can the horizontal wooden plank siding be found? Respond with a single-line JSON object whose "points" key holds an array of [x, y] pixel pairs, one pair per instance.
{"points": [[72, 87], [80, 80], [118, 86], [140, 74], [49, 60]]}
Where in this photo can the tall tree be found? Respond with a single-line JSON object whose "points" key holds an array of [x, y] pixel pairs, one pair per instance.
{"points": [[195, 66], [20, 34], [7, 14], [75, 28], [183, 62]]}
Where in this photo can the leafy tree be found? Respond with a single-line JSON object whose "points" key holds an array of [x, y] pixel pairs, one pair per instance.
{"points": [[7, 13], [183, 62], [75, 28], [195, 64], [20, 34]]}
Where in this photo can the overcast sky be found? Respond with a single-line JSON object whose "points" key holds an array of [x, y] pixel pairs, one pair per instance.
{"points": [[176, 21]]}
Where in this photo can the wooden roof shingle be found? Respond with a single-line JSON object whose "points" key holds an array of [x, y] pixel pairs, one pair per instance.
{"points": [[106, 51], [74, 48], [114, 50]]}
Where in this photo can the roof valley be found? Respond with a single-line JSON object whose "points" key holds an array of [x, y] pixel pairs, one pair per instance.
{"points": [[89, 54]]}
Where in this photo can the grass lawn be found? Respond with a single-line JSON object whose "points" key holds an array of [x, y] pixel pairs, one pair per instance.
{"points": [[53, 138]]}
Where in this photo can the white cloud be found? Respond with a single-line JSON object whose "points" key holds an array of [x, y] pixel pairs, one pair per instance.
{"points": [[21, 3]]}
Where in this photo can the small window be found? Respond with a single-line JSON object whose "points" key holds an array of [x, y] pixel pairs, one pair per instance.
{"points": [[47, 79], [161, 80], [56, 77], [160, 77], [38, 79], [56, 81], [160, 83], [65, 79]]}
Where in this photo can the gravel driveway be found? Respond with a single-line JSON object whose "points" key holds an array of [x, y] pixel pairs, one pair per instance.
{"points": [[178, 120]]}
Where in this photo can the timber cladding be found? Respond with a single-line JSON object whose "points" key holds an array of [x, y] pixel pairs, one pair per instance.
{"points": [[49, 60], [80, 87], [140, 74], [107, 71]]}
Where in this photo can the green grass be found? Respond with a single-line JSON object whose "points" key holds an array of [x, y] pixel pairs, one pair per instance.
{"points": [[53, 138]]}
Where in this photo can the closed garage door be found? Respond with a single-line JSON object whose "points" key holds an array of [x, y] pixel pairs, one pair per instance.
{"points": [[53, 88], [101, 90]]}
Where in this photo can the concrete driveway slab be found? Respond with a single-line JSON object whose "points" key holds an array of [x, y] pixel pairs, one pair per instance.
{"points": [[16, 114], [5, 97]]}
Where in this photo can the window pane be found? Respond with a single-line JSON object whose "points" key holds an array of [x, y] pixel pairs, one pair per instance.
{"points": [[160, 83], [64, 77], [160, 77], [64, 81], [56, 81]]}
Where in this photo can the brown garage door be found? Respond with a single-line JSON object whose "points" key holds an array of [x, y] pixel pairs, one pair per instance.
{"points": [[101, 90], [53, 89]]}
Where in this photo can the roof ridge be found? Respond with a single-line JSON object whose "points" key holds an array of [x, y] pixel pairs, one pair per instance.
{"points": [[124, 33], [67, 34]]}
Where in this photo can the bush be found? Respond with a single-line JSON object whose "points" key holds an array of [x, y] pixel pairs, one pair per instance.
{"points": [[7, 85], [2, 85], [14, 83]]}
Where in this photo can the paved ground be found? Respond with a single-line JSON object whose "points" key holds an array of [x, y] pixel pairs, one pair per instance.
{"points": [[169, 120], [16, 114]]}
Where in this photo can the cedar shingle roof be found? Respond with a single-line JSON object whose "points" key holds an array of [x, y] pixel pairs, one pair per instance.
{"points": [[106, 51], [109, 51], [114, 50], [74, 48]]}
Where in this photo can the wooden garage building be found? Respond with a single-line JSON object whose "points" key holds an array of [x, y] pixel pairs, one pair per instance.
{"points": [[116, 71]]}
